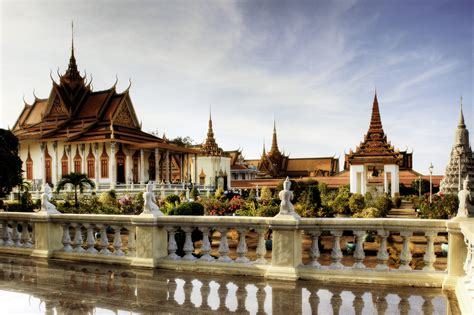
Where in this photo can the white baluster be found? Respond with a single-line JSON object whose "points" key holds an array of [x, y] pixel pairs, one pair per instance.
{"points": [[314, 253], [172, 246], [242, 247], [206, 246], [336, 254], [117, 242], [188, 247], [25, 236], [405, 256], [336, 301], [358, 302], [104, 241], [78, 241], [382, 255], [66, 240], [132, 247], [359, 254], [90, 239], [224, 247], [261, 249], [16, 238], [429, 257], [7, 237]]}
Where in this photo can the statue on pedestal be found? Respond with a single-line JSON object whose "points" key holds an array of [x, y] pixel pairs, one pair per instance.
{"points": [[149, 205], [286, 195], [465, 199], [46, 206]]}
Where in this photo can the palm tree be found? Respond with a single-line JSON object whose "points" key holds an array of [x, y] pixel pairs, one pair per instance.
{"points": [[24, 186], [77, 180]]}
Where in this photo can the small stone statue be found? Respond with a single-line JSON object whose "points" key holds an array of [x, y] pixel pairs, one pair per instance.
{"points": [[286, 195], [149, 205], [465, 199], [46, 206]]}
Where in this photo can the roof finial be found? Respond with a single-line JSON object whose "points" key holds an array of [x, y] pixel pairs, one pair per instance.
{"points": [[274, 138], [72, 37], [461, 118], [264, 151]]}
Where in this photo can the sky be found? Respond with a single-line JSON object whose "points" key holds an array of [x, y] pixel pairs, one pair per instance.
{"points": [[313, 66]]}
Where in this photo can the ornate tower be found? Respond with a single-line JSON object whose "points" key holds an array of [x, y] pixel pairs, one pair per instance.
{"points": [[461, 161], [210, 146], [274, 163]]}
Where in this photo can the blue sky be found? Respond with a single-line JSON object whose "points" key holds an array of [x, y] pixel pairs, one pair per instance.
{"points": [[311, 65]]}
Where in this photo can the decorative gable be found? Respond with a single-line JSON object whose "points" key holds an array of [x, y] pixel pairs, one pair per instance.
{"points": [[124, 117]]}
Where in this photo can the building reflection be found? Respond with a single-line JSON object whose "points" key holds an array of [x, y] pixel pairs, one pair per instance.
{"points": [[67, 288]]}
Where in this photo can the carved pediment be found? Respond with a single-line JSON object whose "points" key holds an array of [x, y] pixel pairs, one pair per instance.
{"points": [[124, 117]]}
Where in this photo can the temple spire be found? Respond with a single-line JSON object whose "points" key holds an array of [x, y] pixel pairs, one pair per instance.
{"points": [[274, 139], [461, 123], [210, 146], [264, 151], [375, 121]]}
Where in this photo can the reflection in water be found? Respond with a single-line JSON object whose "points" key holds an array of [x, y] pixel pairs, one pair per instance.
{"points": [[53, 287]]}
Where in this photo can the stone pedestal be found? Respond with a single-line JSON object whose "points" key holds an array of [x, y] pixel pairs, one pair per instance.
{"points": [[151, 243], [47, 236], [457, 252], [286, 248]]}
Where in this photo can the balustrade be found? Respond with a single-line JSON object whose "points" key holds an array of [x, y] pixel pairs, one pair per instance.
{"points": [[16, 234]]}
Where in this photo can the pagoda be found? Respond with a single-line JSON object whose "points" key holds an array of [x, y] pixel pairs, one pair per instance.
{"points": [[210, 147], [461, 161], [374, 157], [274, 163]]}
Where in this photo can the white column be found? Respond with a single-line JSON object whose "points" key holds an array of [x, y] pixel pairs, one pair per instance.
{"points": [[167, 167], [142, 167], [55, 174], [128, 167], [113, 166], [385, 182], [157, 166], [97, 165], [195, 170], [393, 169], [181, 169], [70, 166], [84, 159], [43, 163], [357, 183]]}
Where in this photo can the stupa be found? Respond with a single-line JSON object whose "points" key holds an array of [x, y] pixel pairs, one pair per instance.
{"points": [[461, 162]]}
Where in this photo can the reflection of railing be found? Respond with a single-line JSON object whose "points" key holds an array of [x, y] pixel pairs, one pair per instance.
{"points": [[86, 287]]}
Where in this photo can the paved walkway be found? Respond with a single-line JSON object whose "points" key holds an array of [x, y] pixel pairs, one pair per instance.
{"points": [[405, 211]]}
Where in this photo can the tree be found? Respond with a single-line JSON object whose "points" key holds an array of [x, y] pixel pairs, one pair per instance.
{"points": [[24, 186], [77, 180], [10, 166], [183, 141]]}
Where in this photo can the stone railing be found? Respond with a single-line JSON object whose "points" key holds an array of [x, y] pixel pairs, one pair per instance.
{"points": [[235, 245]]}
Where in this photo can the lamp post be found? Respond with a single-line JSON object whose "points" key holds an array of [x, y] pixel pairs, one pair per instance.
{"points": [[431, 181]]}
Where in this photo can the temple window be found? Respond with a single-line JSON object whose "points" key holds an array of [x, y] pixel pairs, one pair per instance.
{"points": [[104, 163], [29, 170]]}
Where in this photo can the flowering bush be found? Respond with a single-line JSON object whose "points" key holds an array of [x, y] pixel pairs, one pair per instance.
{"points": [[236, 203], [215, 207]]}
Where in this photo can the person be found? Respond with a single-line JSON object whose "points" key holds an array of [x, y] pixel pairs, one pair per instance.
{"points": [[149, 205], [465, 199], [47, 206]]}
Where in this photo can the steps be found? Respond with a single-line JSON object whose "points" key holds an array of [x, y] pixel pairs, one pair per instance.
{"points": [[405, 211]]}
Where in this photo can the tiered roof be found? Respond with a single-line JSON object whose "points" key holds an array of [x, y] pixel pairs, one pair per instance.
{"points": [[375, 148], [210, 147], [73, 112]]}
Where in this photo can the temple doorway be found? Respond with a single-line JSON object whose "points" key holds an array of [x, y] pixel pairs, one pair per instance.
{"points": [[120, 158]]}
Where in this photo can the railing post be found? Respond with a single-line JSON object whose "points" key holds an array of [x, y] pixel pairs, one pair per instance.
{"points": [[151, 243], [286, 248], [48, 235], [457, 252]]}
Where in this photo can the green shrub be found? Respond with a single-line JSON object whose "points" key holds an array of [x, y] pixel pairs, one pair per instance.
{"points": [[188, 208], [368, 213], [341, 202], [248, 209], [266, 194], [397, 202], [172, 199], [268, 210], [138, 201], [108, 198], [369, 200], [384, 204], [356, 203], [194, 194], [311, 197]]}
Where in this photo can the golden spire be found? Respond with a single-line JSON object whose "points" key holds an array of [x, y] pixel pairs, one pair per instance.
{"points": [[461, 123], [274, 147]]}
